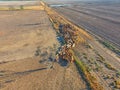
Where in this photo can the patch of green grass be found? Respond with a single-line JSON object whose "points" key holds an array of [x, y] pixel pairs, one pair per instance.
{"points": [[85, 55], [21, 7], [80, 64], [110, 46], [89, 46], [118, 73], [102, 60], [109, 66], [98, 68]]}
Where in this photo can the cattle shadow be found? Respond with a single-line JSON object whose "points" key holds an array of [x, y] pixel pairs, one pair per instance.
{"points": [[63, 62], [9, 74]]}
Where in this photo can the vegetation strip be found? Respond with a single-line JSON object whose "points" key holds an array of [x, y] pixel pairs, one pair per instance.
{"points": [[110, 46], [92, 81], [9, 8]]}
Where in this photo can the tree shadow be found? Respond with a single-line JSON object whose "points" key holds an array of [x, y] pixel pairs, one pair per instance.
{"points": [[20, 73], [9, 77], [31, 24], [29, 71]]}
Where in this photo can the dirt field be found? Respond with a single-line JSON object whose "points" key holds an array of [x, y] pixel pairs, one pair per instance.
{"points": [[102, 19], [27, 44], [22, 32]]}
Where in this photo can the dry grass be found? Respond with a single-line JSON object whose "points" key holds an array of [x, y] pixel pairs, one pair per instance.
{"points": [[117, 83], [107, 65], [33, 8], [90, 79], [22, 8]]}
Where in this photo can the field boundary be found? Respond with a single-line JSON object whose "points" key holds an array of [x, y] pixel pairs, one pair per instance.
{"points": [[21, 7]]}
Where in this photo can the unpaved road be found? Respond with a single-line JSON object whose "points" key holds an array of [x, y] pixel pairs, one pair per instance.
{"points": [[27, 44]]}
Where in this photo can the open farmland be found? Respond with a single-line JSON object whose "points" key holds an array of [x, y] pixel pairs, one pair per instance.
{"points": [[102, 19], [27, 44], [42, 50], [20, 33]]}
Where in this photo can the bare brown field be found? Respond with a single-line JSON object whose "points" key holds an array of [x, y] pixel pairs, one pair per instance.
{"points": [[27, 44], [22, 32]]}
